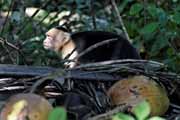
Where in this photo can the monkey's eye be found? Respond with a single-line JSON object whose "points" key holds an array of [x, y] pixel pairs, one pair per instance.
{"points": [[49, 37]]}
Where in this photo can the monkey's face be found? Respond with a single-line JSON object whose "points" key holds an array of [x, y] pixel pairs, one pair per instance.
{"points": [[55, 39]]}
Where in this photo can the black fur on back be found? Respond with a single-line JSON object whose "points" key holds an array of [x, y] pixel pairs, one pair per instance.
{"points": [[119, 49]]}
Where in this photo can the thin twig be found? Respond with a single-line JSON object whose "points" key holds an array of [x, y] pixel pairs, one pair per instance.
{"points": [[49, 77], [10, 7], [120, 20], [4, 41], [93, 14], [9, 54], [99, 64]]}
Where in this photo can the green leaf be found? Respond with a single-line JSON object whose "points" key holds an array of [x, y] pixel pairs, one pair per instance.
{"points": [[141, 110], [162, 16], [156, 118], [176, 18], [149, 28], [58, 113], [152, 10], [159, 43], [122, 116], [135, 9], [132, 28], [157, 13]]}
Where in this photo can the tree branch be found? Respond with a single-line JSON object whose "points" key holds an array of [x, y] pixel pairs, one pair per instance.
{"points": [[120, 20]]}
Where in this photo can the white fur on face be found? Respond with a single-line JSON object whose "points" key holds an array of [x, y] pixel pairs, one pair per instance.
{"points": [[55, 39], [47, 43]]}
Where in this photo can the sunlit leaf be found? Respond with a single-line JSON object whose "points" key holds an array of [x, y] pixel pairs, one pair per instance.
{"points": [[122, 116], [156, 118], [142, 110], [58, 114]]}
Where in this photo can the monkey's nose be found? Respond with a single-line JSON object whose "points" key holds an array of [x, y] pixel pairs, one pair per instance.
{"points": [[45, 45], [44, 42]]}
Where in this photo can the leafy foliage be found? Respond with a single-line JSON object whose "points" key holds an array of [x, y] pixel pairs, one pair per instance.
{"points": [[141, 112], [122, 116], [58, 113], [150, 25]]}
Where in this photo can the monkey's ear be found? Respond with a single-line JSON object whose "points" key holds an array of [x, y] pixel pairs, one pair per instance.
{"points": [[67, 36]]}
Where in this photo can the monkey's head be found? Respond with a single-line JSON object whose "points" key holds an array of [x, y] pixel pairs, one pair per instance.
{"points": [[56, 38]]}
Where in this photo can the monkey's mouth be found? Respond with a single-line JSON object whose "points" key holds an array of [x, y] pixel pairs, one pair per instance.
{"points": [[46, 47]]}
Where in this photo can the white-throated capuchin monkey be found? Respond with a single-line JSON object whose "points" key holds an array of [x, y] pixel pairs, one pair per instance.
{"points": [[59, 40]]}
